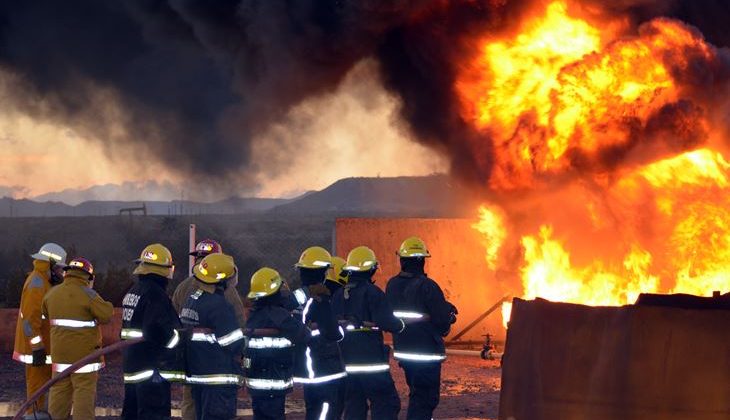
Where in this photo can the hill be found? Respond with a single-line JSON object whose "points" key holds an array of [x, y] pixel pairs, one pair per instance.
{"points": [[425, 196]]}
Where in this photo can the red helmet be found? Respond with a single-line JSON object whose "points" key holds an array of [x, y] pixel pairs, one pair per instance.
{"points": [[207, 247], [81, 264]]}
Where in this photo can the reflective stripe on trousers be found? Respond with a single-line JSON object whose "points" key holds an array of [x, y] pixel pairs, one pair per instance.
{"points": [[419, 357], [223, 379], [269, 384], [28, 358], [141, 376], [128, 333], [91, 367], [368, 368], [320, 379]]}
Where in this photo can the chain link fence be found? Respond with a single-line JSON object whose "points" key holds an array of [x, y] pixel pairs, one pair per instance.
{"points": [[112, 243]]}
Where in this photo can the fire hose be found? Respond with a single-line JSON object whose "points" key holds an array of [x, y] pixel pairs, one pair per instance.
{"points": [[261, 332], [73, 368], [91, 357]]}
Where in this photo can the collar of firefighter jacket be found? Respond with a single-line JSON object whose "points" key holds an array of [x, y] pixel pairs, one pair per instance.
{"points": [[208, 288], [42, 268], [72, 278]]}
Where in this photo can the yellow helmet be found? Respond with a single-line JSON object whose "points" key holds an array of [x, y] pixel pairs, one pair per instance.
{"points": [[265, 282], [155, 259], [335, 273], [361, 258], [215, 268], [413, 247], [314, 257]]}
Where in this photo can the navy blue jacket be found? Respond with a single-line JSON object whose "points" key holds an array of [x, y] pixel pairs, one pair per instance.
{"points": [[412, 296], [269, 360], [360, 302], [320, 361], [215, 341], [147, 312]]}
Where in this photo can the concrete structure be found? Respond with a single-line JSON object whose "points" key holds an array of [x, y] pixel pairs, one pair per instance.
{"points": [[458, 263], [572, 362]]}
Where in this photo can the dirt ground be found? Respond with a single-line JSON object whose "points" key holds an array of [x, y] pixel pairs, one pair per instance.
{"points": [[470, 389]]}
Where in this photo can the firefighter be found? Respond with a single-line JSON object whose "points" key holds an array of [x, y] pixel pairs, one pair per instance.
{"points": [[75, 311], [336, 277], [364, 306], [188, 287], [213, 352], [419, 349], [272, 334], [319, 366], [32, 332], [147, 313]]}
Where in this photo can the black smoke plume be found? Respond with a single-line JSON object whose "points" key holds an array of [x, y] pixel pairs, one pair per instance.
{"points": [[195, 80]]}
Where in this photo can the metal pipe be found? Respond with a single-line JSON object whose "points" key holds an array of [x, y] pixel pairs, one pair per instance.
{"points": [[191, 246], [480, 318]]}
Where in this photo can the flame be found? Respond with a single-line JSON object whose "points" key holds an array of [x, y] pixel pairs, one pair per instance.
{"points": [[568, 99], [491, 226], [563, 88]]}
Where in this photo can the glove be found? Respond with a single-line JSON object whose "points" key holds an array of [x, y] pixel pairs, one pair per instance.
{"points": [[39, 357], [319, 292], [452, 315]]}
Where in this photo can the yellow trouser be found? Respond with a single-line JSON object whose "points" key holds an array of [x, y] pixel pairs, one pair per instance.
{"points": [[36, 377], [78, 390], [187, 407]]}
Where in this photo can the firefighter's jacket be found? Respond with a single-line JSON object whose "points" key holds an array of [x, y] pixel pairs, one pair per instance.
{"points": [[147, 312], [188, 286], [319, 361], [213, 349], [32, 331], [414, 297], [269, 360], [360, 303], [75, 311]]}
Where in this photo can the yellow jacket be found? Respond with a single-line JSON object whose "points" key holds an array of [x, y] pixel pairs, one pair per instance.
{"points": [[32, 332], [75, 311]]}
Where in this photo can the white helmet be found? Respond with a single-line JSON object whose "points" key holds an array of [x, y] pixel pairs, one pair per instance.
{"points": [[51, 252]]}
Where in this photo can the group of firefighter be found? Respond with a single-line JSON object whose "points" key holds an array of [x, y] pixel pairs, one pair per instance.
{"points": [[326, 334]]}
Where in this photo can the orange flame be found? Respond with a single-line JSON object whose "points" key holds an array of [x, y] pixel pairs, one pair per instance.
{"points": [[564, 93], [563, 88]]}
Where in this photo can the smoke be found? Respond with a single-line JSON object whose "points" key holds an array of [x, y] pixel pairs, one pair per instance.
{"points": [[192, 84]]}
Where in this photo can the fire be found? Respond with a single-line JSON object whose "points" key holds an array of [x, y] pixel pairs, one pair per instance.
{"points": [[491, 226], [563, 90], [559, 104]]}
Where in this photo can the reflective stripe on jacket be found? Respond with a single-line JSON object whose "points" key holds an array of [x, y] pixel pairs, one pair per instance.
{"points": [[216, 339], [147, 312], [74, 312], [32, 331], [414, 297], [269, 360]]}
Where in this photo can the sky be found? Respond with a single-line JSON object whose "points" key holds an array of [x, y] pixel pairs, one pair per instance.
{"points": [[352, 131]]}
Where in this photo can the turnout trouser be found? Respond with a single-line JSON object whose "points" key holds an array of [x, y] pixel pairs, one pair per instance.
{"points": [[323, 401], [215, 402], [36, 377], [378, 389], [424, 383], [187, 406], [148, 400], [269, 407], [77, 391]]}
